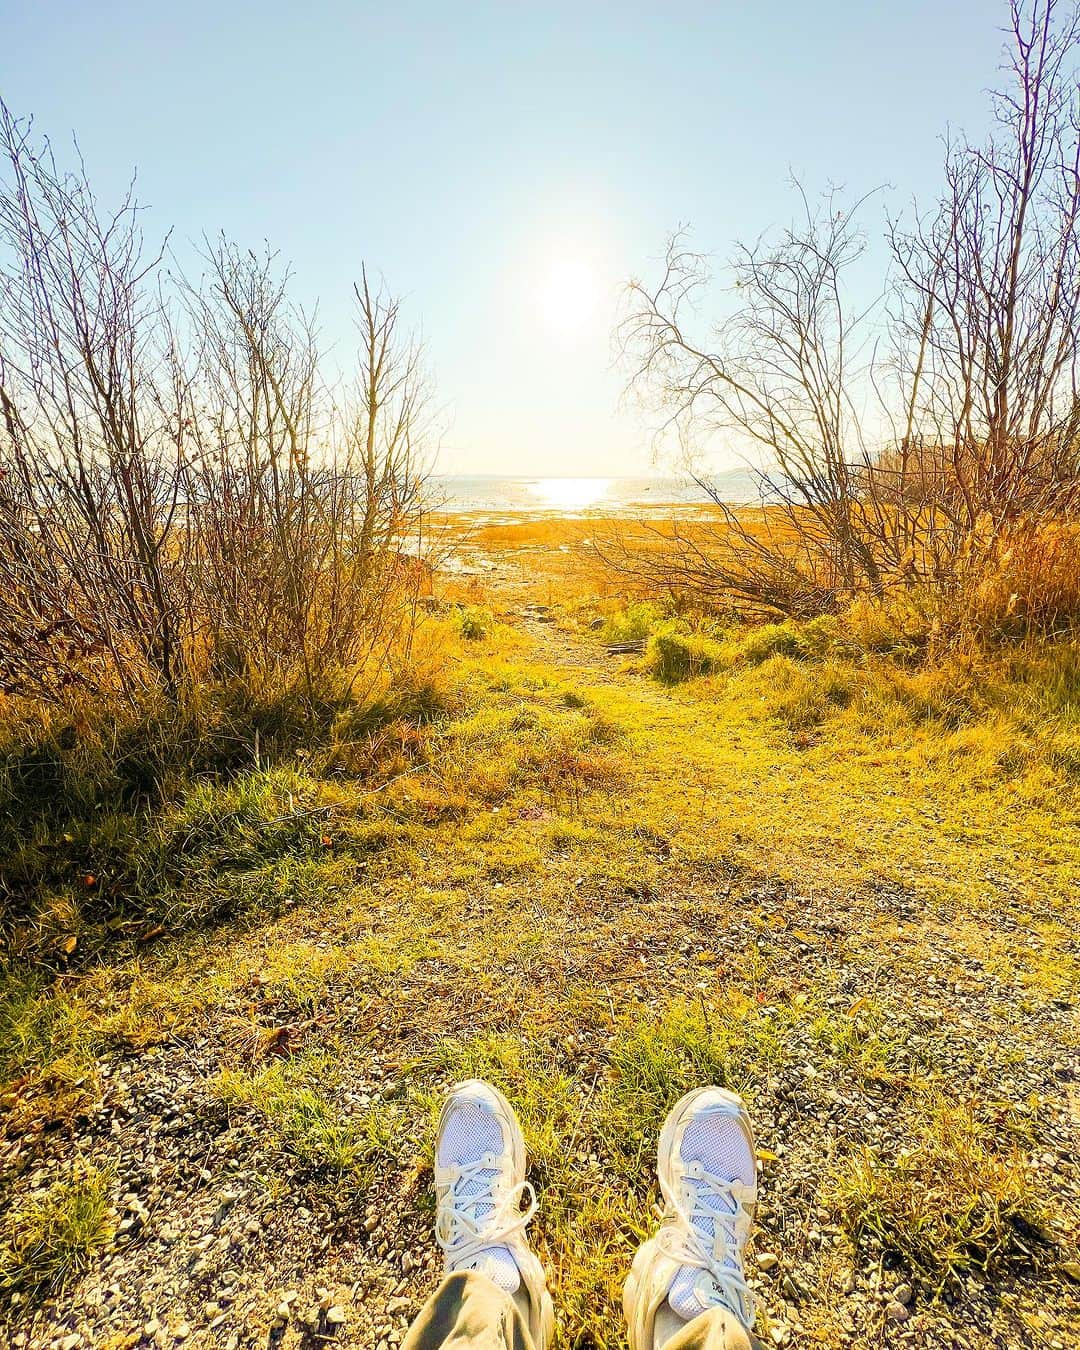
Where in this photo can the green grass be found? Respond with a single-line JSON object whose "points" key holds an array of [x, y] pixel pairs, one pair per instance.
{"points": [[952, 1200], [655, 1060], [289, 1099], [632, 624], [544, 1094], [48, 1242], [674, 657], [45, 1043], [123, 824], [474, 622]]}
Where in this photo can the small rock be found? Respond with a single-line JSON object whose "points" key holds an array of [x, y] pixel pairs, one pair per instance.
{"points": [[182, 1332], [902, 1293], [897, 1312], [767, 1260], [335, 1316]]}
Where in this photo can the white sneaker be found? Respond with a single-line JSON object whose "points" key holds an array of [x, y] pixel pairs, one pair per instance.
{"points": [[708, 1172], [479, 1187]]}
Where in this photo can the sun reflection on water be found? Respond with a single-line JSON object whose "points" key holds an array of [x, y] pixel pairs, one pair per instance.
{"points": [[570, 494]]}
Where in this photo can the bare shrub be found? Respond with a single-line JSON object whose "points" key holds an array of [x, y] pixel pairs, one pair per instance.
{"points": [[777, 375], [988, 310], [294, 495], [975, 439], [183, 497], [94, 443]]}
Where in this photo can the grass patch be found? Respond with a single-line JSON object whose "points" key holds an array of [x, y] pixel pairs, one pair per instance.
{"points": [[770, 639], [956, 1199], [307, 1122], [655, 1060], [47, 1062], [858, 1039], [48, 1242], [631, 624], [474, 623], [674, 657], [528, 1073], [172, 819]]}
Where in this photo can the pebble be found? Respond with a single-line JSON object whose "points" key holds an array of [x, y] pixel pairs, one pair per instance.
{"points": [[336, 1315], [897, 1312], [767, 1260], [902, 1293]]}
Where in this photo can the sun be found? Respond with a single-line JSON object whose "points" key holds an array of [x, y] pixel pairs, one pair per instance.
{"points": [[567, 295]]}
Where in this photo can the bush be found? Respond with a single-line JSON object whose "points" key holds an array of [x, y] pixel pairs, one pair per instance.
{"points": [[675, 657], [182, 501], [631, 624], [771, 639], [474, 623]]}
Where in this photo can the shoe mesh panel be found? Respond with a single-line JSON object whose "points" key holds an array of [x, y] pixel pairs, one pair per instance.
{"points": [[718, 1142], [470, 1131]]}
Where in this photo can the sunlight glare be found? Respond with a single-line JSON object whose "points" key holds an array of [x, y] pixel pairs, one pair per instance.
{"points": [[571, 494], [567, 295]]}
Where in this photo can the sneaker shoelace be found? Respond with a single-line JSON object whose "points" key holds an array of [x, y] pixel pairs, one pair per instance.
{"points": [[478, 1217], [714, 1223]]}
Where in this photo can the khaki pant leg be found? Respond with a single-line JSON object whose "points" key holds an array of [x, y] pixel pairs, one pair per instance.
{"points": [[716, 1329], [468, 1312]]}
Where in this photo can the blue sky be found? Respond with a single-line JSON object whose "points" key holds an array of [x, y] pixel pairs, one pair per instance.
{"points": [[488, 158]]}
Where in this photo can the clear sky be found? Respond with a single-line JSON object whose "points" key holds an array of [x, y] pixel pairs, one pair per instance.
{"points": [[505, 166]]}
